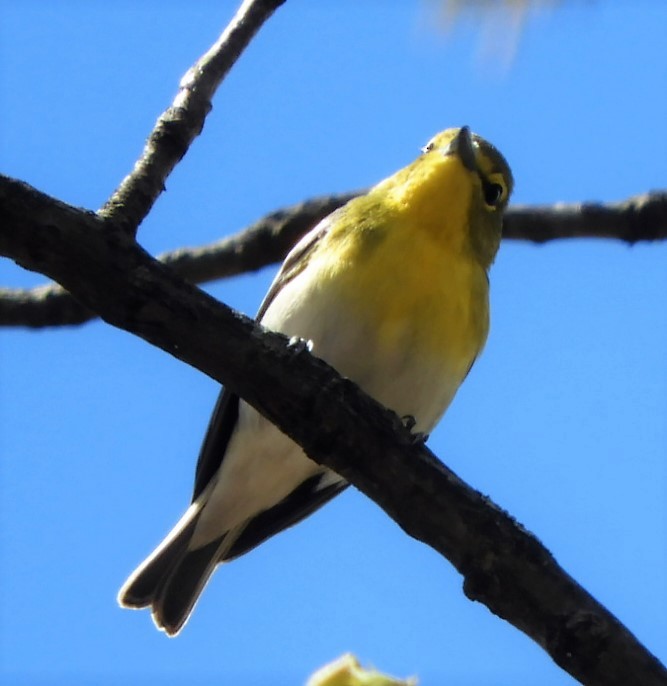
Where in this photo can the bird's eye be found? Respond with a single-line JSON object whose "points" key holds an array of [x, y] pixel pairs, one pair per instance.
{"points": [[493, 193], [428, 147]]}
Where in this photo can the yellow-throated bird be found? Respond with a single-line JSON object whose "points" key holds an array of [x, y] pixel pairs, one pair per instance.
{"points": [[392, 290]]}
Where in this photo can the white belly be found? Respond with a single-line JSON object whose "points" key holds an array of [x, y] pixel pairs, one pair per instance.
{"points": [[262, 466]]}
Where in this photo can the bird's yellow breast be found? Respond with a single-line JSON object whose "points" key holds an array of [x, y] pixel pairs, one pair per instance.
{"points": [[419, 295]]}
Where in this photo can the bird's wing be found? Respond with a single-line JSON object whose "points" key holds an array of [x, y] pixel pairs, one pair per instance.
{"points": [[226, 411], [220, 428], [296, 260], [307, 497]]}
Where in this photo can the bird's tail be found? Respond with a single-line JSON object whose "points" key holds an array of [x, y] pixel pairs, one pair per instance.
{"points": [[171, 579]]}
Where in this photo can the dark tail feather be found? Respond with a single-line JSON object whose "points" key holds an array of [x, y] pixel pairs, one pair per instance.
{"points": [[178, 592], [172, 577], [143, 584]]}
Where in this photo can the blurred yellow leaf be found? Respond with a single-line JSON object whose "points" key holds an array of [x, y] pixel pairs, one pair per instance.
{"points": [[346, 671]]}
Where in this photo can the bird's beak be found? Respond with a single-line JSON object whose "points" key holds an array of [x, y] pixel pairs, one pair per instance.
{"points": [[461, 146]]}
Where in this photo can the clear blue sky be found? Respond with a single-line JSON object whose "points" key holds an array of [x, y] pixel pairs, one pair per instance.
{"points": [[563, 421]]}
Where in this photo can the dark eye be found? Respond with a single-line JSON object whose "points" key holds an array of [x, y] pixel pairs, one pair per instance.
{"points": [[428, 147], [493, 193]]}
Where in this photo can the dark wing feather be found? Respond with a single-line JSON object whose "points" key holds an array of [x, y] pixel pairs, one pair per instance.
{"points": [[301, 502], [226, 411], [220, 427], [296, 260]]}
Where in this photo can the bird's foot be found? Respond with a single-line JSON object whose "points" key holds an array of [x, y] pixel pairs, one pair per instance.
{"points": [[417, 436], [300, 344]]}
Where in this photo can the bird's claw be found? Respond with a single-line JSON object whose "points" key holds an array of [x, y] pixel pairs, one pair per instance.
{"points": [[419, 437], [299, 344], [410, 422]]}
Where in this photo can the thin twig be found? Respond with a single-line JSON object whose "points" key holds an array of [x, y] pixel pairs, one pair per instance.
{"points": [[183, 121], [265, 242], [640, 218]]}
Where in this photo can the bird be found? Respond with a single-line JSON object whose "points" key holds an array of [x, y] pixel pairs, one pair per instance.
{"points": [[392, 290]]}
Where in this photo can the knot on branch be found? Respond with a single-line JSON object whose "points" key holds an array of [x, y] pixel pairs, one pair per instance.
{"points": [[580, 638]]}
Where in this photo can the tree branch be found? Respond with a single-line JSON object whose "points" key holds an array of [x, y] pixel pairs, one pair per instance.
{"points": [[640, 218], [265, 242], [183, 121], [504, 566]]}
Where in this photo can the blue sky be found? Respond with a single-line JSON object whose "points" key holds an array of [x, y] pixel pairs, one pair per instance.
{"points": [[562, 422]]}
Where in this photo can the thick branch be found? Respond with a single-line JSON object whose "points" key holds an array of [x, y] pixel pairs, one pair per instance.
{"points": [[183, 121], [640, 218], [503, 565]]}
